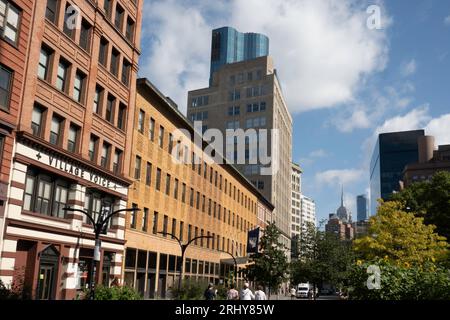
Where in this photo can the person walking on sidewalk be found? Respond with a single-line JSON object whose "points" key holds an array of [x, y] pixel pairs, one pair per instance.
{"points": [[260, 294], [210, 293], [246, 293], [232, 293]]}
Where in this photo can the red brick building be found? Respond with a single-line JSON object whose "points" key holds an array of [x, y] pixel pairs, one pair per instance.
{"points": [[70, 144]]}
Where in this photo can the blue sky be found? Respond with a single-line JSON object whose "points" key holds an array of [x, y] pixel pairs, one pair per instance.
{"points": [[343, 82]]}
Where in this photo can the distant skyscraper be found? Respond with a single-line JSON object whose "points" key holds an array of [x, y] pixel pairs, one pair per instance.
{"points": [[342, 212], [229, 46], [393, 151], [362, 207]]}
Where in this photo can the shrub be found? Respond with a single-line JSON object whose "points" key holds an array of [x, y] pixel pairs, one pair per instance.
{"points": [[115, 293]]}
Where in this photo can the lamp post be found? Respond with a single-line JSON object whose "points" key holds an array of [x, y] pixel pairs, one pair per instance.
{"points": [[183, 248], [99, 227], [235, 263]]}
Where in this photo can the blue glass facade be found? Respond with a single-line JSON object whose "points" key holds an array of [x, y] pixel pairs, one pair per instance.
{"points": [[393, 151], [362, 208], [229, 45]]}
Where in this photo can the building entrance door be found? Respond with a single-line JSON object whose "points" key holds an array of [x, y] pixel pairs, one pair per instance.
{"points": [[48, 269]]}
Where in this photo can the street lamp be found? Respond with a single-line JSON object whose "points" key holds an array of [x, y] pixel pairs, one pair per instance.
{"points": [[183, 248], [99, 227], [235, 263]]}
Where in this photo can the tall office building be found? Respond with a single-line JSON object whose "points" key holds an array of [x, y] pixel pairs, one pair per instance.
{"points": [[296, 208], [229, 46], [392, 152], [362, 207], [73, 131], [247, 95]]}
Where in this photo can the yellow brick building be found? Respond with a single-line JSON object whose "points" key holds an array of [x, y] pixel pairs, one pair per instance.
{"points": [[185, 198]]}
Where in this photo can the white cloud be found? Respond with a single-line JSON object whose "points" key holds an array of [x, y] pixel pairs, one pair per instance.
{"points": [[440, 129], [323, 50], [409, 68], [312, 156], [338, 177], [413, 120], [447, 21]]}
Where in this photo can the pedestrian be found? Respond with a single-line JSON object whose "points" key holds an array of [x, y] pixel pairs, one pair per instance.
{"points": [[232, 293], [210, 293], [246, 293], [293, 292], [260, 294]]}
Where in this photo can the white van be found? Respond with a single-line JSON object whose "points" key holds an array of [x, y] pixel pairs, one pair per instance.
{"points": [[302, 290]]}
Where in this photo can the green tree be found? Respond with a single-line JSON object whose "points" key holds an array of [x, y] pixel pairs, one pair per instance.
{"points": [[400, 237], [269, 265], [323, 258], [430, 200]]}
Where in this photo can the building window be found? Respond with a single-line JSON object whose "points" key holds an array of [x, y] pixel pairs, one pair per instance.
{"points": [[98, 97], [94, 204], [114, 67], [103, 52], [141, 119], [107, 6], [152, 129], [155, 223], [234, 111], [93, 143], [78, 87], [158, 179], [145, 220], [118, 21], [121, 116], [51, 10], [183, 193], [44, 62], [161, 136], [117, 161], [170, 143], [129, 32], [174, 228], [126, 69], [175, 189], [181, 230], [191, 199], [165, 225], [55, 130], [9, 21], [6, 77], [104, 161], [45, 195], [133, 217], [68, 29], [85, 35], [168, 184], [72, 142], [109, 114], [148, 174], [137, 168], [61, 77]]}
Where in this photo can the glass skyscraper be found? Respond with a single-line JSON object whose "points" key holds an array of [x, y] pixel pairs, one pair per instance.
{"points": [[229, 45], [362, 208], [393, 151]]}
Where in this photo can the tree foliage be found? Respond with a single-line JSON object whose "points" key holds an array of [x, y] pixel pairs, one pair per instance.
{"points": [[400, 282], [269, 265], [115, 293], [430, 200], [323, 258], [400, 237]]}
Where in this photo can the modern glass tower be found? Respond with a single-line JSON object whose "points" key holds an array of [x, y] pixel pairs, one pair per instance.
{"points": [[393, 151], [362, 208], [229, 45]]}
